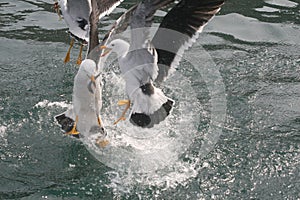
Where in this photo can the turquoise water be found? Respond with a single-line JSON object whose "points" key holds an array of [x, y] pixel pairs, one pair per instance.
{"points": [[234, 133]]}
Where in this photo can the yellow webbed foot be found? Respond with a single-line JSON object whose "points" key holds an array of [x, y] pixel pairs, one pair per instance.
{"points": [[102, 142], [74, 130], [121, 103]]}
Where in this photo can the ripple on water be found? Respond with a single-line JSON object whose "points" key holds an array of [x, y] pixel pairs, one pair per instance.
{"points": [[283, 3], [267, 9], [256, 31], [150, 154]]}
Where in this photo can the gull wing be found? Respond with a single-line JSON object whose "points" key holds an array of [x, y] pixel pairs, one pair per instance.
{"points": [[120, 25], [77, 9], [99, 9], [105, 7], [142, 19], [180, 29]]}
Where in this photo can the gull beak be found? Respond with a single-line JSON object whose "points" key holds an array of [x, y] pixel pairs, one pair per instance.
{"points": [[106, 50], [93, 80]]}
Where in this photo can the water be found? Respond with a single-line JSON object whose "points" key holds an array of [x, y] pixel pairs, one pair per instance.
{"points": [[233, 135]]}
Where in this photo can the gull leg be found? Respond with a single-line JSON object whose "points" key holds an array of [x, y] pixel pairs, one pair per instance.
{"points": [[101, 141], [79, 59], [74, 131], [67, 58], [121, 103], [99, 121]]}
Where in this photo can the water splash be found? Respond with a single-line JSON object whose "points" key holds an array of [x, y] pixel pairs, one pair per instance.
{"points": [[149, 156]]}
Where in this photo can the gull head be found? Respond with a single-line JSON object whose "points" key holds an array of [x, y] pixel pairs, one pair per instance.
{"points": [[118, 46], [88, 67]]}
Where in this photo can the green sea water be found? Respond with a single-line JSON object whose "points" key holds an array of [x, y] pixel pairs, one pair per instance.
{"points": [[234, 132]]}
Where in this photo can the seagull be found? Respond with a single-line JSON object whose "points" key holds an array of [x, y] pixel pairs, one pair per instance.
{"points": [[76, 15], [138, 65], [84, 116], [144, 63], [86, 101]]}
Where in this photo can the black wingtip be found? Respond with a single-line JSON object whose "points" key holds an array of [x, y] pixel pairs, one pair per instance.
{"points": [[168, 106], [140, 119], [148, 121], [66, 123]]}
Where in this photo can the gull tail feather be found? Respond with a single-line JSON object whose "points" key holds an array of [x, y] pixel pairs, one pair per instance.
{"points": [[66, 123], [149, 120], [150, 107]]}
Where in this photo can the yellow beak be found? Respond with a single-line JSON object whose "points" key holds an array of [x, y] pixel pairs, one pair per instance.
{"points": [[106, 50], [93, 79], [93, 82]]}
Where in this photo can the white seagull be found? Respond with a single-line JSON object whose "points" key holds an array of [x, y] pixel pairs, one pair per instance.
{"points": [[84, 116], [138, 64], [143, 63], [76, 14]]}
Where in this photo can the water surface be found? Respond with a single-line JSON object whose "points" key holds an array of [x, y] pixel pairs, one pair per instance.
{"points": [[254, 47]]}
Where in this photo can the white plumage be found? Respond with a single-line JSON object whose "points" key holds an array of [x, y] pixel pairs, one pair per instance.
{"points": [[138, 65], [76, 14], [86, 102], [143, 63], [87, 98], [82, 17]]}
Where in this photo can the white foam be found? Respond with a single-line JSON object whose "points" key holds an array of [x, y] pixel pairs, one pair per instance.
{"points": [[3, 135], [267, 9], [149, 156], [42, 104], [61, 104], [45, 103], [3, 131]]}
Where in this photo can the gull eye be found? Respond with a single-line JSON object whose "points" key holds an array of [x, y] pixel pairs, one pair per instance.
{"points": [[112, 45]]}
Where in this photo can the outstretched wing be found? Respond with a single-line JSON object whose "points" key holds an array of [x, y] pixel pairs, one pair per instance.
{"points": [[105, 7], [141, 20], [76, 9], [120, 25], [77, 15], [99, 9], [141, 52], [180, 29]]}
